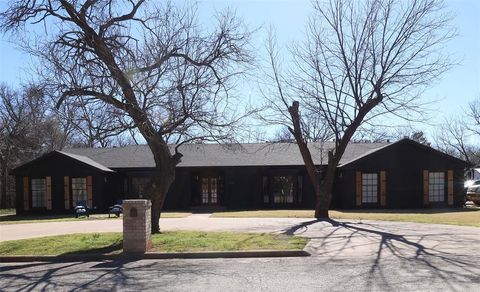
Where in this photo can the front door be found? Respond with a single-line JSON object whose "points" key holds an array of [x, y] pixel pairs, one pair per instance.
{"points": [[209, 190]]}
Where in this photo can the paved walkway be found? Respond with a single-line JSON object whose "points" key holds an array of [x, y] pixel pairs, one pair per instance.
{"points": [[336, 238]]}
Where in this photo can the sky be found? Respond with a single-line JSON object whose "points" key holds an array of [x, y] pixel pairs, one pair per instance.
{"points": [[452, 92]]}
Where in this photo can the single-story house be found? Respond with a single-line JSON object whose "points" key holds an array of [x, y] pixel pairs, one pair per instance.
{"points": [[404, 174]]}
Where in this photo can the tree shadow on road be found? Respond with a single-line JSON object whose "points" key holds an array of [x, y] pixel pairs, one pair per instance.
{"points": [[112, 275], [410, 251]]}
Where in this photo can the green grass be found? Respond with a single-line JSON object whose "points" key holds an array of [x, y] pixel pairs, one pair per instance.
{"points": [[175, 241], [466, 217], [17, 219], [103, 243], [182, 241], [265, 214], [7, 212]]}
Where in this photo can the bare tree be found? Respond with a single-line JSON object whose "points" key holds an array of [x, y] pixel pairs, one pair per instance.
{"points": [[457, 135], [419, 136], [312, 129], [361, 60], [152, 61], [473, 117], [93, 123], [28, 127], [453, 138]]}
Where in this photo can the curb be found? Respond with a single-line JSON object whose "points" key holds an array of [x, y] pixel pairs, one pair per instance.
{"points": [[157, 255]]}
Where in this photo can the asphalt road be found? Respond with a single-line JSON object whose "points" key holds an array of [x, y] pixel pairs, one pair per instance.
{"points": [[277, 274]]}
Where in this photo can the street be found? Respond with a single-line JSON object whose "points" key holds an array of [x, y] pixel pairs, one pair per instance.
{"points": [[277, 274]]}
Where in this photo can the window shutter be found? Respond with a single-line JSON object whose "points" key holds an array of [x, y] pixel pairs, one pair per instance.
{"points": [[450, 187], [89, 191], [49, 192], [383, 189], [425, 188], [66, 191], [266, 198], [358, 188], [299, 188], [26, 193]]}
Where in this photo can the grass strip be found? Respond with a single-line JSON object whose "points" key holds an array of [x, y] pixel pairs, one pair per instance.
{"points": [[460, 216], [101, 243], [172, 241], [224, 241], [6, 212]]}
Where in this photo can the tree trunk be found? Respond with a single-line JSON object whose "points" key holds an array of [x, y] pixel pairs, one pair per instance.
{"points": [[325, 189], [164, 176], [3, 186], [158, 192]]}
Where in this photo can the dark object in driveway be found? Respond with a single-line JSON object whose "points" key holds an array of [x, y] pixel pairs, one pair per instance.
{"points": [[116, 209], [81, 209]]}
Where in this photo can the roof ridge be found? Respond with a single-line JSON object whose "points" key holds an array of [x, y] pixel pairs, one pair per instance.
{"points": [[221, 144]]}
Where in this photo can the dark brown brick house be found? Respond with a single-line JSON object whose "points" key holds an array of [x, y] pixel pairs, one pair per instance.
{"points": [[404, 174]]}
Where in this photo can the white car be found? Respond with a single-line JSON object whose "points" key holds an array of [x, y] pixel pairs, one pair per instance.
{"points": [[473, 192]]}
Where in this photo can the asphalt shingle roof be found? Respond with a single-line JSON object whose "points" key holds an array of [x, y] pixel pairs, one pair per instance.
{"points": [[195, 155], [86, 160]]}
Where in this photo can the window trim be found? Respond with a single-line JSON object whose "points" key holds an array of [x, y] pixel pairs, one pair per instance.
{"points": [[437, 188], [34, 192], [372, 187], [73, 189], [293, 201]]}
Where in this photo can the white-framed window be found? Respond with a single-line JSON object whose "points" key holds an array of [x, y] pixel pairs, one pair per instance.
{"points": [[436, 186], [39, 192], [79, 190], [369, 187]]}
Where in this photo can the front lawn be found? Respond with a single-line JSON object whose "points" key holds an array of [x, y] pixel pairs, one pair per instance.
{"points": [[103, 243], [174, 241], [16, 219], [7, 212], [466, 217], [224, 241]]}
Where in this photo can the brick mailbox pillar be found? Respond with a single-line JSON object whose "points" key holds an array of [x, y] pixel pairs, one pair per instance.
{"points": [[136, 226]]}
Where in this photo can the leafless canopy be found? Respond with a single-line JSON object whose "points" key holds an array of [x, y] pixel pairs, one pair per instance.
{"points": [[367, 58], [28, 128], [360, 60], [152, 61], [459, 135], [143, 58], [473, 117]]}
